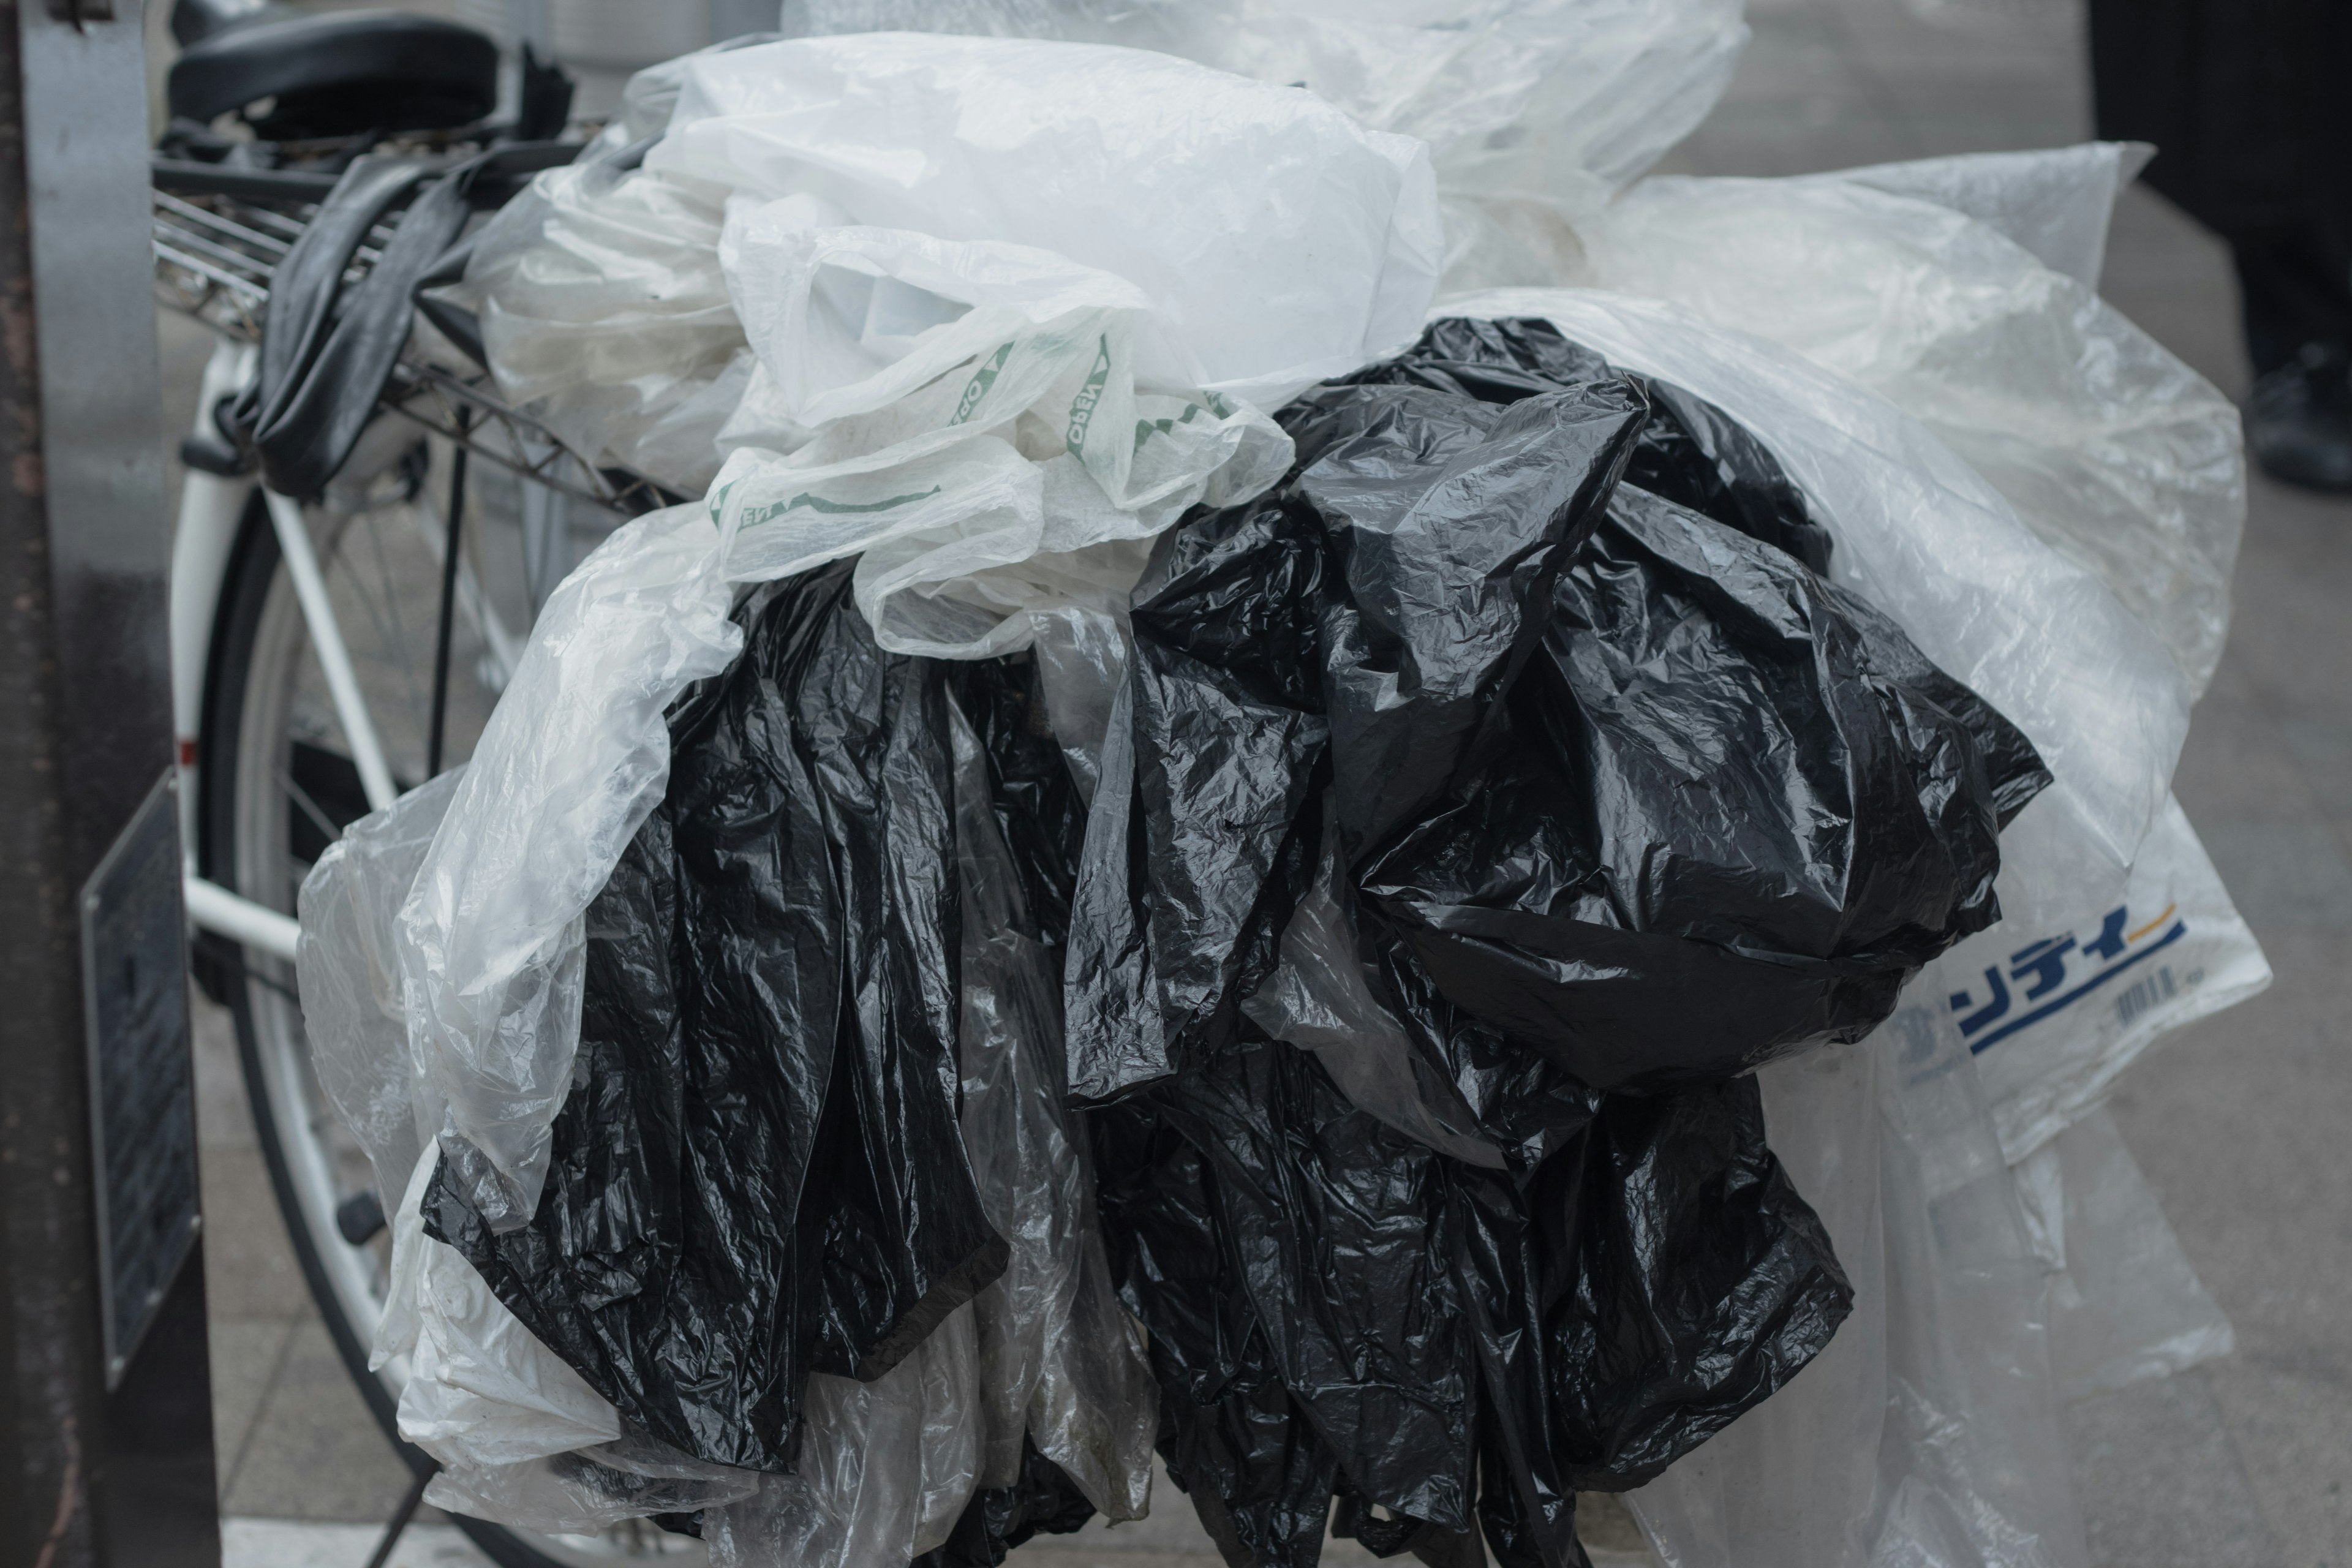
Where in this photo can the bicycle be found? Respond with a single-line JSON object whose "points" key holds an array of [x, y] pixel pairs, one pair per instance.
{"points": [[327, 657]]}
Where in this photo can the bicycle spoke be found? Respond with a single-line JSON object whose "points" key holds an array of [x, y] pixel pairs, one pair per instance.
{"points": [[326, 824]]}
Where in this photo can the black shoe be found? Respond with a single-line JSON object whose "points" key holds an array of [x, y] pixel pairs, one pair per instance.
{"points": [[2299, 420]]}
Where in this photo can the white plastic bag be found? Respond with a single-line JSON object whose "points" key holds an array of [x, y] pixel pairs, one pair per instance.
{"points": [[964, 416], [2080, 976], [2125, 1303], [1557, 99], [2056, 202], [1273, 241], [347, 962], [603, 312], [877, 1482], [482, 1391], [2110, 448]]}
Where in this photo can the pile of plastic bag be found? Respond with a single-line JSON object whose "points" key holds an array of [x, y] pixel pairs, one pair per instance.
{"points": [[1310, 789]]}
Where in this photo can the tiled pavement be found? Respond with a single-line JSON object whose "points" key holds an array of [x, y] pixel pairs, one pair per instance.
{"points": [[2240, 1464]]}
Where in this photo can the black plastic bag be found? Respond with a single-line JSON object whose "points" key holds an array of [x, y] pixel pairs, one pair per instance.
{"points": [[1623, 798], [758, 1172], [1690, 452], [1335, 1308], [1043, 1502]]}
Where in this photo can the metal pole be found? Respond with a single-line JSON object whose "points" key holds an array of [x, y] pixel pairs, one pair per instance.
{"points": [[105, 1392], [451, 554]]}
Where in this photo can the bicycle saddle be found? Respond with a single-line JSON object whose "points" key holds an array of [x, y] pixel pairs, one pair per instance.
{"points": [[337, 74]]}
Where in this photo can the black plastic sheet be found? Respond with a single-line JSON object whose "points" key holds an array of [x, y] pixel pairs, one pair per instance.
{"points": [[1624, 796], [1690, 452], [1043, 1502], [1335, 1308], [758, 1172]]}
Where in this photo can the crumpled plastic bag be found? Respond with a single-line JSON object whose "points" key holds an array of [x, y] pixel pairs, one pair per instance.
{"points": [[602, 312], [1509, 682], [1535, 112], [2056, 202], [1336, 1307], [1049, 1364], [1921, 536], [1118, 161], [1065, 1396], [518, 1436], [2080, 978], [771, 1011], [828, 800], [1906, 279], [1929, 1432], [2125, 1305], [347, 963], [575, 756], [984, 444], [489, 945]]}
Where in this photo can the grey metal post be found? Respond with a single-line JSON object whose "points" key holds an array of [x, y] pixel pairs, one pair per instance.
{"points": [[105, 1397]]}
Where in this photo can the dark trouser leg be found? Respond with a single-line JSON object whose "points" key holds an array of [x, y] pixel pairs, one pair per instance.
{"points": [[2296, 290]]}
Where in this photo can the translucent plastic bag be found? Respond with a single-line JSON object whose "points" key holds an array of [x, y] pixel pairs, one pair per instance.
{"points": [[354, 1013], [995, 521], [1565, 99], [1906, 279], [575, 755], [603, 312], [1061, 1363], [2082, 975], [979, 435], [886, 1468], [519, 1436], [2125, 1303], [1927, 1434], [1116, 161]]}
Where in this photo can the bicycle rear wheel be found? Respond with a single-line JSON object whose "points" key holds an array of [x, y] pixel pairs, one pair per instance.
{"points": [[276, 785]]}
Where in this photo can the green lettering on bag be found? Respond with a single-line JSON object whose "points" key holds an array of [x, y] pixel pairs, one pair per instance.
{"points": [[1147, 428], [754, 516], [1082, 406], [981, 380]]}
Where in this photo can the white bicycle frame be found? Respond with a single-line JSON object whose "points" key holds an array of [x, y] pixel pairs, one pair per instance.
{"points": [[211, 508]]}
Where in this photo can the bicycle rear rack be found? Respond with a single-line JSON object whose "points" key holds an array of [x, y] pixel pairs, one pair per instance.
{"points": [[220, 233]]}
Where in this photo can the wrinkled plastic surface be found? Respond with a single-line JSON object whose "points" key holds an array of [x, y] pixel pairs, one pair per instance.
{"points": [[1066, 1398], [876, 1485], [2056, 202], [771, 1015], [354, 1013], [2125, 1303], [2109, 447], [1565, 99], [1932, 545], [1928, 1433], [486, 1398], [2082, 976], [967, 418], [824, 799], [603, 310], [1116, 161], [490, 945], [1535, 698], [1335, 1307]]}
